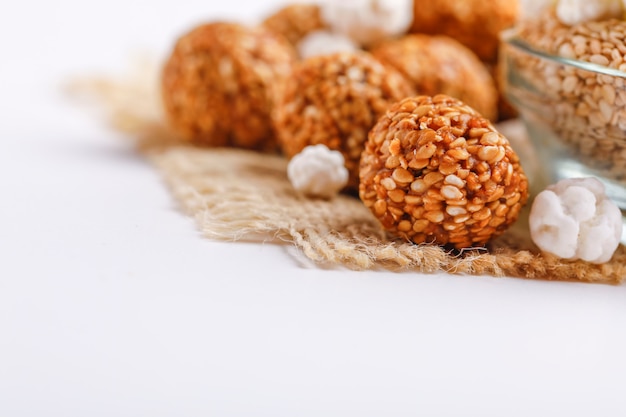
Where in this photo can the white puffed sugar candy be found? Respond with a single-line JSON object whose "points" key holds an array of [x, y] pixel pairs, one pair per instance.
{"points": [[574, 219], [572, 12], [368, 21], [318, 172]]}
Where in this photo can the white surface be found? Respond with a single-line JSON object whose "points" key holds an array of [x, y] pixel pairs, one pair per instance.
{"points": [[112, 305]]}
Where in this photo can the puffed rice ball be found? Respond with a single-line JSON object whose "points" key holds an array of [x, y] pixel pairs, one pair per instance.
{"points": [[335, 100], [475, 23], [435, 171], [295, 21], [219, 83], [441, 65]]}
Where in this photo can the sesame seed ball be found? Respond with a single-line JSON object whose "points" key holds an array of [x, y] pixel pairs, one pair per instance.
{"points": [[219, 83], [475, 23], [295, 21], [334, 100], [434, 170], [441, 65]]}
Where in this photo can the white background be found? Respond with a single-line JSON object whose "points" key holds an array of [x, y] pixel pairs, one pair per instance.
{"points": [[111, 304]]}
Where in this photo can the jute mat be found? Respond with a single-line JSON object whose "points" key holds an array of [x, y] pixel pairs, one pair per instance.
{"points": [[242, 195]]}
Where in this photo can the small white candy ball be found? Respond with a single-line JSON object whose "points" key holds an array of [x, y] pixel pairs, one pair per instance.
{"points": [[572, 12], [574, 219], [368, 21], [318, 172]]}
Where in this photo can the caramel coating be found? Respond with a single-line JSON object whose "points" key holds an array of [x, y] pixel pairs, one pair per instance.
{"points": [[295, 21], [435, 171], [219, 84], [475, 23], [335, 100], [442, 65]]}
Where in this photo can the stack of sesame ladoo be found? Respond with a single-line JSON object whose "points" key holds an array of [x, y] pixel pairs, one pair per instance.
{"points": [[230, 85], [404, 106]]}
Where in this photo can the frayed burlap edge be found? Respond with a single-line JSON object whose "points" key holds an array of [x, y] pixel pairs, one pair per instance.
{"points": [[243, 195]]}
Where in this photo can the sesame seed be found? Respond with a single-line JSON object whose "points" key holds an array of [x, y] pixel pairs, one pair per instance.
{"points": [[451, 193]]}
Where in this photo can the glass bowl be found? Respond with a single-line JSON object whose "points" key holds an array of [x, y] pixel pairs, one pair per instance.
{"points": [[574, 113]]}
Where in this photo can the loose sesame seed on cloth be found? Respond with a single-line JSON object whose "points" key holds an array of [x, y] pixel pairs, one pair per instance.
{"points": [[244, 195]]}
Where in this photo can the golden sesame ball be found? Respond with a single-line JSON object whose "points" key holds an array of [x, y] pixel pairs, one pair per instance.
{"points": [[295, 21], [475, 23], [218, 85], [441, 65], [434, 170], [335, 100]]}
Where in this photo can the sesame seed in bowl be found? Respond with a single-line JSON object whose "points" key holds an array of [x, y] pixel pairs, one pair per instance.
{"points": [[569, 85]]}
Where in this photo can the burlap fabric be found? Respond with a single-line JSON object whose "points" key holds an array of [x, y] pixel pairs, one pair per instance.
{"points": [[243, 195]]}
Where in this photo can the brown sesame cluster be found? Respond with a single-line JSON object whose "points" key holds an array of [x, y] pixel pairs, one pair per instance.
{"points": [[475, 23], [295, 21], [587, 110], [335, 100], [441, 65], [434, 170], [430, 167], [219, 84]]}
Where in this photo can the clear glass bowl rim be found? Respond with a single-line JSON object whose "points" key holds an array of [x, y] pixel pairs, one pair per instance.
{"points": [[510, 37]]}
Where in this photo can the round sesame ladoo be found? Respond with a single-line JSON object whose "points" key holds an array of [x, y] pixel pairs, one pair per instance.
{"points": [[435, 171], [218, 85], [334, 100], [475, 23], [442, 65], [295, 21]]}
